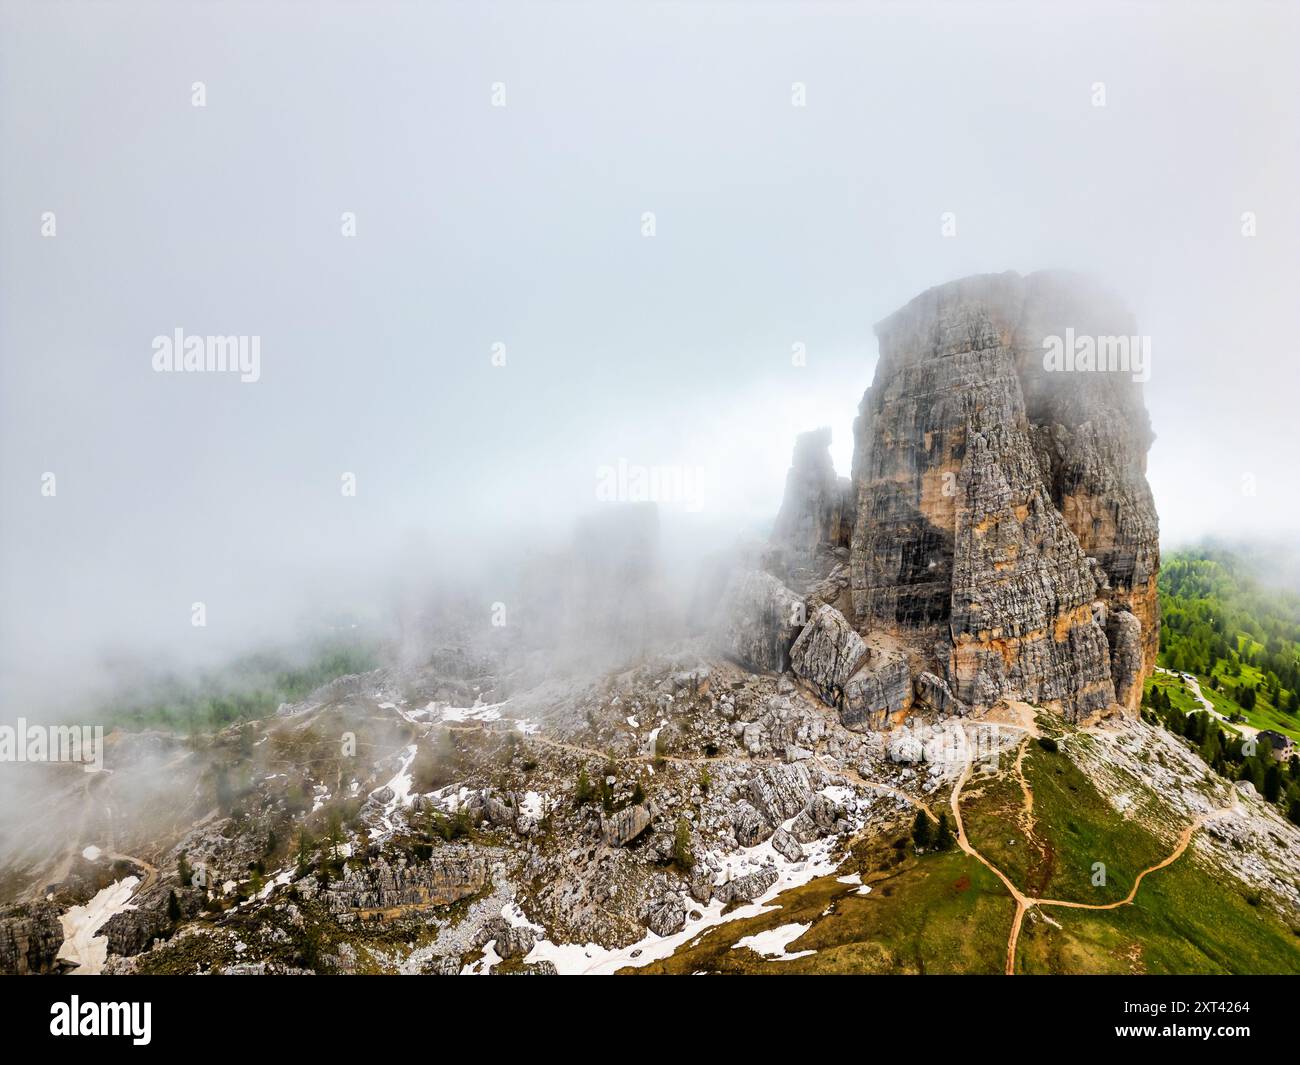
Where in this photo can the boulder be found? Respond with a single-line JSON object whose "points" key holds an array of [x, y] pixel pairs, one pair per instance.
{"points": [[931, 692], [497, 812], [533, 968], [515, 941], [700, 885], [778, 792], [820, 818], [621, 828], [787, 846], [876, 694], [750, 826], [758, 620], [746, 888], [906, 747], [666, 915], [827, 653]]}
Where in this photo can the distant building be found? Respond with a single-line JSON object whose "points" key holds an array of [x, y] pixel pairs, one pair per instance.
{"points": [[1282, 745]]}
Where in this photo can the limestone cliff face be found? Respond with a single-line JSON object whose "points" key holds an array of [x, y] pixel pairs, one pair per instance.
{"points": [[817, 509], [1003, 515]]}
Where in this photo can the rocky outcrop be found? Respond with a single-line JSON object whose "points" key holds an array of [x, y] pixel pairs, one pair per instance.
{"points": [[787, 846], [932, 693], [827, 653], [778, 792], [511, 941], [1127, 656], [30, 937], [621, 828], [997, 500], [131, 931], [666, 916], [877, 694], [449, 876], [817, 509], [746, 888], [758, 620], [748, 824]]}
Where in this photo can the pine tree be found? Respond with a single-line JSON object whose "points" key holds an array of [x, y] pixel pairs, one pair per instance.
{"points": [[682, 856], [183, 870], [1273, 783], [921, 830], [943, 839], [305, 846]]}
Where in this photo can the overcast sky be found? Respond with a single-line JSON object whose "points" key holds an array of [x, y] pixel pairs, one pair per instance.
{"points": [[522, 225]]}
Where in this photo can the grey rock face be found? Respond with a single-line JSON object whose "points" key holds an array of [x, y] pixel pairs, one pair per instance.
{"points": [[998, 500], [535, 968], [876, 694], [514, 941], [1127, 656], [933, 693], [746, 888], [821, 818], [750, 827], [30, 937], [701, 885], [827, 653], [787, 846], [779, 792], [817, 509], [131, 931], [450, 875], [666, 915], [758, 620], [621, 828]]}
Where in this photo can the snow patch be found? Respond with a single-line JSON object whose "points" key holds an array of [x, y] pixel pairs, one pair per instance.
{"points": [[81, 945], [772, 943], [591, 958]]}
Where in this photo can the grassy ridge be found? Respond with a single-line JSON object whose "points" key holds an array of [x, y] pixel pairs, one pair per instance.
{"points": [[1183, 920], [939, 913]]}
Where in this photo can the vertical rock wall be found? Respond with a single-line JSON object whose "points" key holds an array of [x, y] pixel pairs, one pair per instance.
{"points": [[1003, 515]]}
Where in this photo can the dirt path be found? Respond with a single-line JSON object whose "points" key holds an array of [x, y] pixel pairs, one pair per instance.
{"points": [[1026, 815], [150, 871], [1023, 901], [1183, 841]]}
